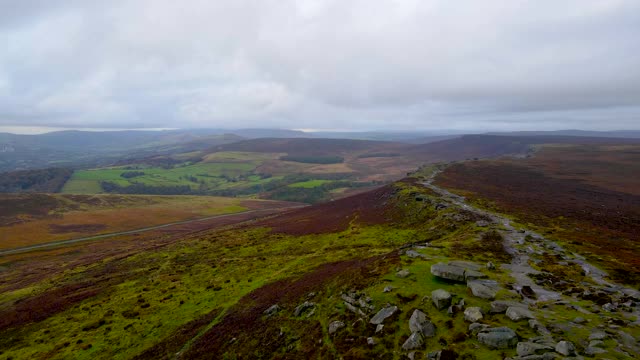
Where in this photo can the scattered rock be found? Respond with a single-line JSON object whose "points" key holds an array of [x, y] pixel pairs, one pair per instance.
{"points": [[482, 223], [335, 326], [449, 272], [371, 341], [473, 275], [579, 320], [354, 309], [414, 341], [593, 351], [441, 298], [597, 335], [421, 324], [498, 338], [517, 313], [414, 254], [475, 328], [467, 265], [387, 289], [403, 273], [527, 291], [500, 306], [302, 308], [530, 348], [596, 343], [379, 328], [272, 310], [484, 289], [383, 314], [566, 348], [490, 266], [473, 314], [348, 299]]}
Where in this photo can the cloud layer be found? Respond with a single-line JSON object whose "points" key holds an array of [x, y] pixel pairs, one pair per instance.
{"points": [[415, 64]]}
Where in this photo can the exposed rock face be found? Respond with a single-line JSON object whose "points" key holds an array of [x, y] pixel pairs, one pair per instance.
{"points": [[500, 306], [484, 289], [441, 298], [272, 310], [383, 314], [566, 348], [414, 341], [448, 272], [302, 308], [517, 313], [335, 326], [420, 323], [473, 314], [498, 338], [460, 271], [530, 348]]}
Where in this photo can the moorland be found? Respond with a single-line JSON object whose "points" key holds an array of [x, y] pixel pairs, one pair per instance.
{"points": [[477, 247]]}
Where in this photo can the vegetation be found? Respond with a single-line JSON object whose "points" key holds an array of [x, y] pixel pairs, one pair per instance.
{"points": [[46, 180], [310, 159]]}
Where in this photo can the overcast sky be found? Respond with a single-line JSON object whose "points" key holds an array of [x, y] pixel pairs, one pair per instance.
{"points": [[348, 65]]}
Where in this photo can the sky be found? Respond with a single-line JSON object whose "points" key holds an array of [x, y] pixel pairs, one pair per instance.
{"points": [[309, 64]]}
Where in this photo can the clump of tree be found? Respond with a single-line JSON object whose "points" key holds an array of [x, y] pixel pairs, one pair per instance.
{"points": [[138, 188], [310, 159], [49, 180], [131, 174]]}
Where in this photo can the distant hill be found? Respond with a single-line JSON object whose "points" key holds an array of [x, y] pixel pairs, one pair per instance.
{"points": [[310, 146], [581, 133], [87, 148]]}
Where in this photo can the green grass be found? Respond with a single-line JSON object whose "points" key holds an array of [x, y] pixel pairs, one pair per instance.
{"points": [[211, 174], [310, 184]]}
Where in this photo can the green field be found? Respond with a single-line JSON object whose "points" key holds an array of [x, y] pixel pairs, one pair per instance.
{"points": [[310, 184], [207, 175]]}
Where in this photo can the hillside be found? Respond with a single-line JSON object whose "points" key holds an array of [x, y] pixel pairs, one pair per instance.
{"points": [[405, 269]]}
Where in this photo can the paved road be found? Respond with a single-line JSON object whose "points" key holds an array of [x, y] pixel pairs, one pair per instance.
{"points": [[104, 236]]}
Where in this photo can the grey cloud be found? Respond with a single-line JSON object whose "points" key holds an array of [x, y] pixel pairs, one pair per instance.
{"points": [[321, 64]]}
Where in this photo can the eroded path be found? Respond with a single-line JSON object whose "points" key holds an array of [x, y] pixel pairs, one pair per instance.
{"points": [[529, 248]]}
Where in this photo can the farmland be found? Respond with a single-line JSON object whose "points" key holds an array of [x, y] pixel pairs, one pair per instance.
{"points": [[25, 220]]}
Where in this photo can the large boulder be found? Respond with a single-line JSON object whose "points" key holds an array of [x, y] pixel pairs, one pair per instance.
{"points": [[517, 313], [449, 272], [566, 348], [335, 326], [414, 341], [484, 289], [441, 299], [383, 314], [498, 338], [500, 306], [421, 324], [472, 314], [473, 275], [303, 308], [530, 348]]}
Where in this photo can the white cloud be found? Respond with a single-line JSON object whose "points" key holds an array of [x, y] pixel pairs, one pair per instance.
{"points": [[321, 64]]}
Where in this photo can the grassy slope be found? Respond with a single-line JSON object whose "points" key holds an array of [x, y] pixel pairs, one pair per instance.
{"points": [[150, 297], [80, 216]]}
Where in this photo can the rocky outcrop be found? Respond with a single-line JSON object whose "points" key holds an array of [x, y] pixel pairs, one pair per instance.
{"points": [[420, 323], [484, 289], [459, 271], [498, 338], [441, 299], [473, 314], [383, 314], [517, 313]]}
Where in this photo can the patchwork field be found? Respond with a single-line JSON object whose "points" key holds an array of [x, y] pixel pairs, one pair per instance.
{"points": [[35, 219], [313, 283]]}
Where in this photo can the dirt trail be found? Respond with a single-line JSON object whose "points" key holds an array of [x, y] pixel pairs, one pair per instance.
{"points": [[523, 244]]}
